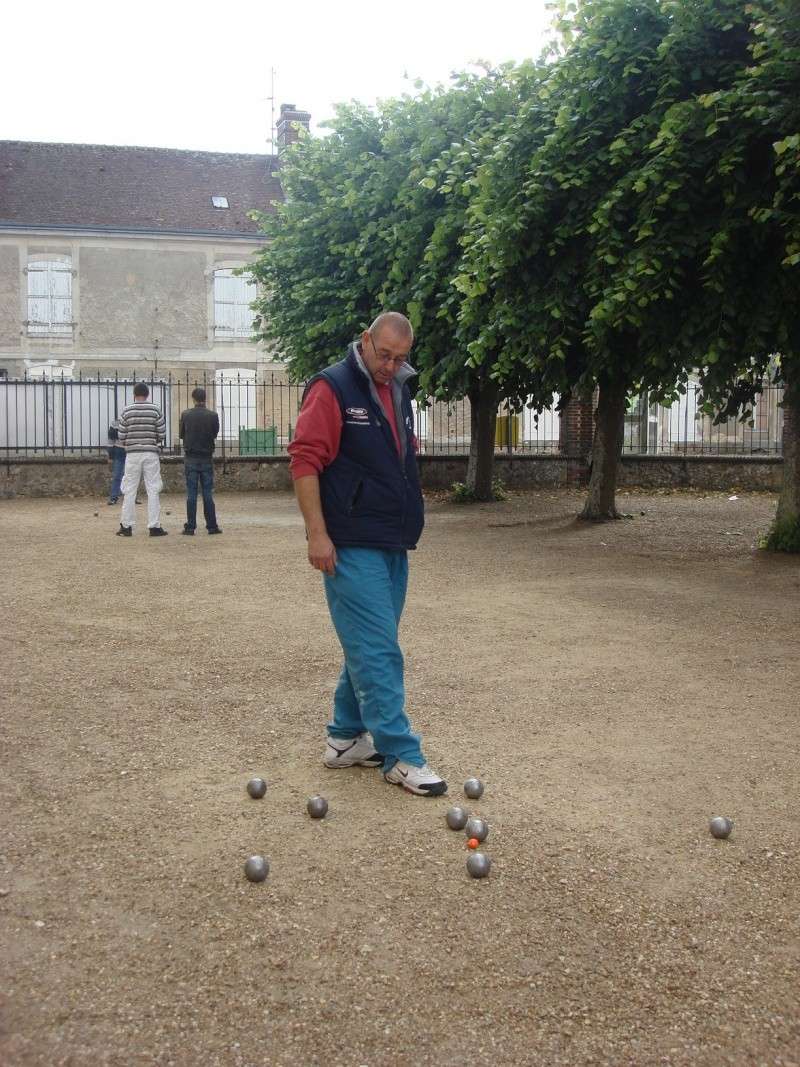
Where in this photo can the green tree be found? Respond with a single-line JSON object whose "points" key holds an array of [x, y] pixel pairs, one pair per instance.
{"points": [[426, 274], [759, 170], [373, 218], [646, 274], [320, 272], [556, 235], [716, 203]]}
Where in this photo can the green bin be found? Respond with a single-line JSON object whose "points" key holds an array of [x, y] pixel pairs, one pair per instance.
{"points": [[258, 442]]}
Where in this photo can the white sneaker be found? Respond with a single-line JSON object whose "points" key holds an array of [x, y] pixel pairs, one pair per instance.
{"points": [[353, 752], [423, 781]]}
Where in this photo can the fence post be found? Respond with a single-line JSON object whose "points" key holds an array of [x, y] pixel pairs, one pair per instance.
{"points": [[575, 437]]}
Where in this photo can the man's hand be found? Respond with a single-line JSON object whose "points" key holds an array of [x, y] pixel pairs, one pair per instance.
{"points": [[322, 553]]}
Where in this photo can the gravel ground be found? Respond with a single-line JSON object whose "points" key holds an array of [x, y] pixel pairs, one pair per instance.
{"points": [[614, 685]]}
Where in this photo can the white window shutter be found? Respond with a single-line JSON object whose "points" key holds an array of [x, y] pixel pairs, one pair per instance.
{"points": [[37, 281], [233, 295], [50, 296]]}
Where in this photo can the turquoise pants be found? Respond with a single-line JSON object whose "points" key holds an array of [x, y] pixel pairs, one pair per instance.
{"points": [[366, 598]]}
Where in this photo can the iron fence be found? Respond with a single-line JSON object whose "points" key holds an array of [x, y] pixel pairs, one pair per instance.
{"points": [[71, 416], [683, 428]]}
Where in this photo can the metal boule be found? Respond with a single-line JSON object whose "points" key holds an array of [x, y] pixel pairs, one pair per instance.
{"points": [[317, 807], [256, 868], [256, 787], [457, 818], [720, 826], [478, 864], [473, 787], [476, 827]]}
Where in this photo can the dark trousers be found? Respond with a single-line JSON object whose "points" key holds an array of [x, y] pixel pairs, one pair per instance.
{"points": [[117, 455], [200, 471]]}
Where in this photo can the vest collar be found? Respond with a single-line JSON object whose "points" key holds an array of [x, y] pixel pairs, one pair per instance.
{"points": [[402, 375]]}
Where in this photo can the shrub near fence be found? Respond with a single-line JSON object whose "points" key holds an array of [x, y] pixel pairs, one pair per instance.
{"points": [[71, 416]]}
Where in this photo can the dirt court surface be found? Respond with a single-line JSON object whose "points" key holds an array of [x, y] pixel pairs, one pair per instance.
{"points": [[614, 685]]}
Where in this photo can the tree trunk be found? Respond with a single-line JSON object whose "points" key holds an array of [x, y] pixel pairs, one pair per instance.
{"points": [[785, 534], [483, 399], [606, 451]]}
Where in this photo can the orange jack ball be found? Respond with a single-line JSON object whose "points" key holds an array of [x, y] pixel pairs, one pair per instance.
{"points": [[473, 843]]}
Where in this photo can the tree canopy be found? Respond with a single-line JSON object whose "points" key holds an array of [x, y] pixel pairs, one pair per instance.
{"points": [[373, 219], [618, 215]]}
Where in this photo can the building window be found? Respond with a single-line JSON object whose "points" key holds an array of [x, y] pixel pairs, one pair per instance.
{"points": [[49, 370], [50, 296], [219, 201], [233, 295]]}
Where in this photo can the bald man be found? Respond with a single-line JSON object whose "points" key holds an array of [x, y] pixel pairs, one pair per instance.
{"points": [[355, 475]]}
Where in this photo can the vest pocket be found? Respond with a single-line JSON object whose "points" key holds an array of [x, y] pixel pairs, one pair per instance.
{"points": [[375, 498]]}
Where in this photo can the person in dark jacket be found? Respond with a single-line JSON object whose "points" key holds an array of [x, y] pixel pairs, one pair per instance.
{"points": [[116, 457], [355, 475], [198, 430]]}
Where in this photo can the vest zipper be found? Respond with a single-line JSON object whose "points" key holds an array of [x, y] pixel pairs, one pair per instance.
{"points": [[400, 459], [355, 496]]}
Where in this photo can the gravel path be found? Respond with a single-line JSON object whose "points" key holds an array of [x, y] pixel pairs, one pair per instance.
{"points": [[614, 685]]}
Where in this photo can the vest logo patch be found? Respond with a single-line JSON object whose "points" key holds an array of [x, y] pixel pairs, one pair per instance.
{"points": [[357, 416]]}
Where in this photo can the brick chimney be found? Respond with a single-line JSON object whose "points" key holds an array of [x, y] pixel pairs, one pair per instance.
{"points": [[286, 129]]}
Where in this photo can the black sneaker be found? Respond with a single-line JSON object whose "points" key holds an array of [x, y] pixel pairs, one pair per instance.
{"points": [[188, 530], [158, 531], [125, 531], [113, 500], [215, 530]]}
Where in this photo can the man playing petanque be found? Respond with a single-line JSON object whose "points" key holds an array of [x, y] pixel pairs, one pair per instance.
{"points": [[355, 476], [142, 431]]}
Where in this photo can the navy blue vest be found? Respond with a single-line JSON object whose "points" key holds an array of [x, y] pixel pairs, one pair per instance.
{"points": [[371, 498]]}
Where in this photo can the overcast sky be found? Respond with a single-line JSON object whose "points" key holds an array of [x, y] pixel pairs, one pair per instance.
{"points": [[196, 73]]}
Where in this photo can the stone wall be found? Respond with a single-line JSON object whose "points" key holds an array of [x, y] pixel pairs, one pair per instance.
{"points": [[154, 293], [10, 305], [517, 472], [702, 472], [58, 476]]}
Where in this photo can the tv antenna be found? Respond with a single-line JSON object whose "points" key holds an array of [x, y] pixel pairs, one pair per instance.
{"points": [[271, 140]]}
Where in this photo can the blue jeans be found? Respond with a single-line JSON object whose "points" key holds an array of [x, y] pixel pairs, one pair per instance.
{"points": [[117, 470], [202, 471], [366, 597]]}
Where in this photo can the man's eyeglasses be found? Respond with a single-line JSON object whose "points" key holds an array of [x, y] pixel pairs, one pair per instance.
{"points": [[396, 361]]}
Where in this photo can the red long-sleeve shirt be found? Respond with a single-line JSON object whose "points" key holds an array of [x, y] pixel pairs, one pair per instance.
{"points": [[319, 429]]}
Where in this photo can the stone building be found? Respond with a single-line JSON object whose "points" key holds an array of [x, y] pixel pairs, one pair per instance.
{"points": [[122, 263], [121, 260]]}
